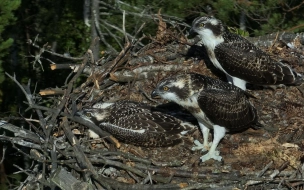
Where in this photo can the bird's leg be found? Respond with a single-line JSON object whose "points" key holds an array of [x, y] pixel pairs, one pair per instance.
{"points": [[236, 82], [239, 83], [205, 146], [219, 133]]}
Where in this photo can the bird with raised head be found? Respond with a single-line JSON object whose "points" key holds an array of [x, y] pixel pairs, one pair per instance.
{"points": [[239, 59], [215, 104]]}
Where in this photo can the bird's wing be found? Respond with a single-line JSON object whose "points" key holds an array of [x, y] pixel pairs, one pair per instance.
{"points": [[227, 108], [151, 121], [146, 129], [123, 108], [246, 61]]}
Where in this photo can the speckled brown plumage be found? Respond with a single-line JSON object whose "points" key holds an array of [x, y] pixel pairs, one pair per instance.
{"points": [[239, 59], [222, 103], [137, 123], [246, 61], [215, 104]]}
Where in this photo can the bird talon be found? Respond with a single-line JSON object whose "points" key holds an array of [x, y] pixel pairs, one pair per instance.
{"points": [[200, 146], [215, 155]]}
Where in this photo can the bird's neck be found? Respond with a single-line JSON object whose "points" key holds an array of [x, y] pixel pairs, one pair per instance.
{"points": [[211, 41], [190, 103]]}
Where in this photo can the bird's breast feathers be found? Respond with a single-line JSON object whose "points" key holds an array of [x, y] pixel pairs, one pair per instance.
{"points": [[209, 40], [119, 128]]}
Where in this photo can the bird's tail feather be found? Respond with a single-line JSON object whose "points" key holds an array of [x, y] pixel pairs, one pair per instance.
{"points": [[286, 75], [257, 125], [299, 79]]}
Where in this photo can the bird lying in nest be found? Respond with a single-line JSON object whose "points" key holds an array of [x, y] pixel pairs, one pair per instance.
{"points": [[137, 123], [215, 104]]}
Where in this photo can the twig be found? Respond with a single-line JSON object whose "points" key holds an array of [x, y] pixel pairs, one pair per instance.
{"points": [[115, 62], [97, 130], [125, 167], [3, 153], [265, 169], [121, 31], [277, 171], [126, 155], [124, 186], [183, 173], [82, 160], [68, 91], [123, 26], [102, 38], [55, 91], [29, 98]]}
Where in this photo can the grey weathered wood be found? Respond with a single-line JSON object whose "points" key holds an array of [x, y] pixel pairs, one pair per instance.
{"points": [[67, 181], [269, 39]]}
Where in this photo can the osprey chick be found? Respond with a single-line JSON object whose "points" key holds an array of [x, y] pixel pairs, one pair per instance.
{"points": [[137, 123], [215, 104], [239, 59]]}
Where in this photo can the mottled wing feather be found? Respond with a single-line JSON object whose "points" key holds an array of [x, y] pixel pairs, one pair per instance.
{"points": [[233, 37], [138, 124], [123, 108], [152, 121], [246, 61], [145, 129], [227, 108], [142, 139]]}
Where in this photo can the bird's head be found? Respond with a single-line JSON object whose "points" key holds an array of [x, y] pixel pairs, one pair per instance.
{"points": [[93, 115], [209, 29], [175, 89]]}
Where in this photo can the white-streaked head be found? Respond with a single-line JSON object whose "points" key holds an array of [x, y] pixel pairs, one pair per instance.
{"points": [[93, 115], [102, 105], [173, 89], [210, 31]]}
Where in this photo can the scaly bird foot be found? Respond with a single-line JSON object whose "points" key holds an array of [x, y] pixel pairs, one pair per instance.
{"points": [[214, 155], [274, 87], [200, 146]]}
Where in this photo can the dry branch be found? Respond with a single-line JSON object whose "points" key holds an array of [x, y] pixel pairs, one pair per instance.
{"points": [[65, 180]]}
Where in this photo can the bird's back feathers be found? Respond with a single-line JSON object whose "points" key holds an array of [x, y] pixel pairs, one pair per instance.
{"points": [[239, 59], [246, 61], [139, 124], [228, 108], [210, 100]]}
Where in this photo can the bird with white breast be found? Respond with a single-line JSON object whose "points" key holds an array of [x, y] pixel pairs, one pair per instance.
{"points": [[215, 104], [239, 59]]}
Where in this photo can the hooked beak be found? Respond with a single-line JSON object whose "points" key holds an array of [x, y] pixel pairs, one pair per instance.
{"points": [[154, 94], [192, 32], [78, 113]]}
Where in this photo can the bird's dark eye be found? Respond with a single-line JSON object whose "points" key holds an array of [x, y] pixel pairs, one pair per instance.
{"points": [[201, 24], [165, 88], [88, 114]]}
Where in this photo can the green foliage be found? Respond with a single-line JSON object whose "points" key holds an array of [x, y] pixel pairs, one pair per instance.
{"points": [[262, 17], [226, 9], [6, 18], [60, 22], [238, 31]]}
